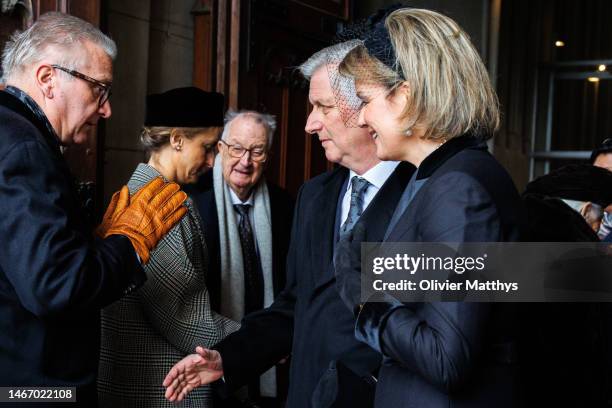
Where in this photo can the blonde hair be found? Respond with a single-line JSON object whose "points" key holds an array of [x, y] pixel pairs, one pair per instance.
{"points": [[450, 90], [154, 138]]}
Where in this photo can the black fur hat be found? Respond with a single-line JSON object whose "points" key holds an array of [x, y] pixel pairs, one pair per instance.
{"points": [[185, 107]]}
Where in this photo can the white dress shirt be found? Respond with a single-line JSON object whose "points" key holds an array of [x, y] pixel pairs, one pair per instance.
{"points": [[376, 176]]}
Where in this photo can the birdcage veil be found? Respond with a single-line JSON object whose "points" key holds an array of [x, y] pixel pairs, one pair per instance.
{"points": [[374, 37]]}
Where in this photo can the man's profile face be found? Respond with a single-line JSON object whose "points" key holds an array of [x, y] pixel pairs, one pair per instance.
{"points": [[340, 143], [78, 100]]}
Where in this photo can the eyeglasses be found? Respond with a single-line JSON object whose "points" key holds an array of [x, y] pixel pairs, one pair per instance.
{"points": [[102, 89], [257, 154]]}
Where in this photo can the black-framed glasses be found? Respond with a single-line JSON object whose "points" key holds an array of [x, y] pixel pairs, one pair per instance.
{"points": [[257, 153], [103, 89]]}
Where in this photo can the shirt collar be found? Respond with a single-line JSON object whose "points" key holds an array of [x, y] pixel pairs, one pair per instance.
{"points": [[237, 200], [378, 174]]}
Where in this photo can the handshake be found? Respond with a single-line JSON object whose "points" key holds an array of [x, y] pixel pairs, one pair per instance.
{"points": [[145, 217]]}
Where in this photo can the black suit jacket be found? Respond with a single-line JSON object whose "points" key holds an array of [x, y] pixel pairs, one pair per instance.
{"points": [[54, 277], [281, 208], [449, 354], [308, 319]]}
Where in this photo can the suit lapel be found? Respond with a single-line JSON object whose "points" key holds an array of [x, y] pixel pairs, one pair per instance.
{"points": [[376, 217], [378, 214], [433, 166], [323, 220]]}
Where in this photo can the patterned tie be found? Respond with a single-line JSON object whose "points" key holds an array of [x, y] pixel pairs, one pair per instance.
{"points": [[253, 276], [358, 187]]}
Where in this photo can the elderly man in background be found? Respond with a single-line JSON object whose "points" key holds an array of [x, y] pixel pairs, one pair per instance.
{"points": [[248, 224], [566, 205], [54, 274]]}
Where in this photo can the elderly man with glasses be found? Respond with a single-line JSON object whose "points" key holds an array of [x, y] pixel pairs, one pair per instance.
{"points": [[55, 274], [248, 225]]}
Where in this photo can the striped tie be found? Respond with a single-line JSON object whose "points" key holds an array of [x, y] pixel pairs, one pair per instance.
{"points": [[358, 188]]}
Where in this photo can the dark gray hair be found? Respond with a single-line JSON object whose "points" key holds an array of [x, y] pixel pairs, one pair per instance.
{"points": [[335, 52], [52, 30], [266, 120]]}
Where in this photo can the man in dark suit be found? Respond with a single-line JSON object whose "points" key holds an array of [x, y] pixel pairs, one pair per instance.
{"points": [[236, 202], [55, 276], [308, 318]]}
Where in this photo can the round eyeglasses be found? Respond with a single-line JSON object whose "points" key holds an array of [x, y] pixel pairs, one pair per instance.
{"points": [[257, 153]]}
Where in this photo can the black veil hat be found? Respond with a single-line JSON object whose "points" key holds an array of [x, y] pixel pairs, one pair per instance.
{"points": [[373, 35]]}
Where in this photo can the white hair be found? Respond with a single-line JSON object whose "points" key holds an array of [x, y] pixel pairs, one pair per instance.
{"points": [[266, 120], [594, 214], [52, 31], [335, 53]]}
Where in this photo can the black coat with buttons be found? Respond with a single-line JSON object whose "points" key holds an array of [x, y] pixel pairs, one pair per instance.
{"points": [[54, 276]]}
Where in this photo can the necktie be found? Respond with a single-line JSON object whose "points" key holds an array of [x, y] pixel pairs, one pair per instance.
{"points": [[253, 276], [358, 188]]}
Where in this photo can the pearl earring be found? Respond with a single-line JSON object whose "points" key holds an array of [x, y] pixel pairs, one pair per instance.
{"points": [[178, 148], [408, 132]]}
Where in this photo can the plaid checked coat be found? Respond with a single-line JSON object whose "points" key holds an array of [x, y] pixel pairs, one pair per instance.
{"points": [[149, 330]]}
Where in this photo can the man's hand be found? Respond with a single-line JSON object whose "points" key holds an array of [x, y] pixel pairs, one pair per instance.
{"points": [[193, 371]]}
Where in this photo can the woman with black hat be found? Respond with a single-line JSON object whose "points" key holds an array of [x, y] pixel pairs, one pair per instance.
{"points": [[145, 332]]}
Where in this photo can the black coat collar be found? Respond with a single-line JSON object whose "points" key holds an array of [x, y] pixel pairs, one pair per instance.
{"points": [[446, 151], [13, 103]]}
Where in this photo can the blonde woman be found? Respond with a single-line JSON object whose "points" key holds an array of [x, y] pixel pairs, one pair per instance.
{"points": [[427, 99], [150, 328]]}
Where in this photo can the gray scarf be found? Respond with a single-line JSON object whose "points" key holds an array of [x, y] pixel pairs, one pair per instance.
{"points": [[232, 277]]}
